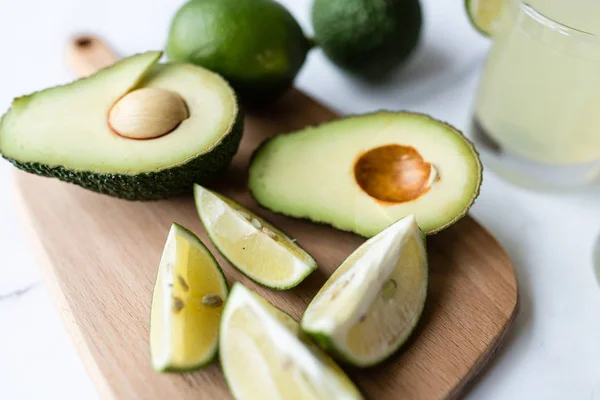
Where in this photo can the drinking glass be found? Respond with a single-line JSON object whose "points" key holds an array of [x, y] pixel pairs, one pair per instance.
{"points": [[536, 118], [596, 260]]}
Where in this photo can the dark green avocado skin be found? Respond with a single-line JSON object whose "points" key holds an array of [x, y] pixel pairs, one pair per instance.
{"points": [[154, 185], [368, 38]]}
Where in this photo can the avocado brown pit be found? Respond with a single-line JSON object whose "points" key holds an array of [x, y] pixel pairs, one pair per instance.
{"points": [[394, 173], [147, 113]]}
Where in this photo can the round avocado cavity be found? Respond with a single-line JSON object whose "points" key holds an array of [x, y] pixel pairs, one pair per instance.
{"points": [[147, 113], [394, 173]]}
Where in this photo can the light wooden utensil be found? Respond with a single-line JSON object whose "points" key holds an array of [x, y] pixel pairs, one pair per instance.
{"points": [[101, 255]]}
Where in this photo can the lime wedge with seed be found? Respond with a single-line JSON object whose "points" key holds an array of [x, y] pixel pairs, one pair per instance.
{"points": [[373, 301], [188, 299], [265, 355], [484, 14], [251, 244]]}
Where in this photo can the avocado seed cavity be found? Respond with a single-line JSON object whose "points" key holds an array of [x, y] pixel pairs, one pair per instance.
{"points": [[394, 173], [147, 113]]}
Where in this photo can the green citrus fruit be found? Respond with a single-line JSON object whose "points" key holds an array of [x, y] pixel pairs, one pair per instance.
{"points": [[256, 45], [371, 304], [484, 14], [187, 302]]}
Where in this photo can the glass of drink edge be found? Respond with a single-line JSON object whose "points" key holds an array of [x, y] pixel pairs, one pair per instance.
{"points": [[536, 118]]}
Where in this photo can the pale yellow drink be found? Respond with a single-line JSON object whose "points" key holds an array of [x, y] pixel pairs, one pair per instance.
{"points": [[539, 96]]}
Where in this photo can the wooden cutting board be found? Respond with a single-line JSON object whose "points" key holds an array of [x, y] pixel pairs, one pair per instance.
{"points": [[100, 258]]}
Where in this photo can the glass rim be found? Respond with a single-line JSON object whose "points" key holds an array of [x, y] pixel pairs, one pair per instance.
{"points": [[555, 25]]}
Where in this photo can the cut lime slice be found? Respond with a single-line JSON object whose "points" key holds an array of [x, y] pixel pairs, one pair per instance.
{"points": [[265, 355], [373, 301], [186, 306], [251, 244], [484, 14]]}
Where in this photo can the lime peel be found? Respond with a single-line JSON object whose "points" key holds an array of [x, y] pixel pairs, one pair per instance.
{"points": [[379, 290], [484, 14], [277, 351], [183, 330], [252, 245]]}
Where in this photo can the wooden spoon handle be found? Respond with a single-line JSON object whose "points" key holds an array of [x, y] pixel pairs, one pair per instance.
{"points": [[87, 54]]}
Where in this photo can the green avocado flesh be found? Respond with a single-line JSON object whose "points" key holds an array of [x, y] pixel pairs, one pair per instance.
{"points": [[63, 132], [326, 173]]}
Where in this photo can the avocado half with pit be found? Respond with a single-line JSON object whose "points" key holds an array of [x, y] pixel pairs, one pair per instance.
{"points": [[138, 130], [363, 173]]}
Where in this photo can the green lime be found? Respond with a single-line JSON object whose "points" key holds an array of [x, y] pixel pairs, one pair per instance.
{"points": [[257, 45], [265, 355], [373, 301], [367, 38], [252, 245], [186, 305], [484, 14]]}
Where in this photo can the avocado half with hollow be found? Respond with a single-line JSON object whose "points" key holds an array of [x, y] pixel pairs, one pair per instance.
{"points": [[138, 130], [363, 173]]}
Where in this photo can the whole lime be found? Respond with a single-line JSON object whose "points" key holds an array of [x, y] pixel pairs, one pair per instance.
{"points": [[256, 45], [367, 37]]}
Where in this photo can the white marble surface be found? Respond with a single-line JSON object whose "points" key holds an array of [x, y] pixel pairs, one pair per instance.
{"points": [[554, 350]]}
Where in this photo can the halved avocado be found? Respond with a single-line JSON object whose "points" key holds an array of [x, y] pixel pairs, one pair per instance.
{"points": [[136, 130], [363, 173]]}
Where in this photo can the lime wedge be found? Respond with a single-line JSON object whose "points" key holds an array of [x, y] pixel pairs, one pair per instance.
{"points": [[265, 355], [484, 14], [186, 306], [251, 244], [373, 301]]}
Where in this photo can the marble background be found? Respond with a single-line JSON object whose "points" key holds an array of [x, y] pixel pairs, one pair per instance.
{"points": [[554, 350]]}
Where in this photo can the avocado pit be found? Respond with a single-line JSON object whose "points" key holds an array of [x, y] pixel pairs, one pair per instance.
{"points": [[394, 173], [147, 113]]}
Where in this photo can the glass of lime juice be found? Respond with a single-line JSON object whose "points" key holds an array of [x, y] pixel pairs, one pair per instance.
{"points": [[537, 111]]}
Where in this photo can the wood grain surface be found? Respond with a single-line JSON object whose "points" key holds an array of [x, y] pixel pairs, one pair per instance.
{"points": [[100, 258]]}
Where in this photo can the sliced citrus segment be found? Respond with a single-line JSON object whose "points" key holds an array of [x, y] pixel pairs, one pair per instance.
{"points": [[186, 306], [265, 355], [484, 14], [251, 244], [370, 305]]}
